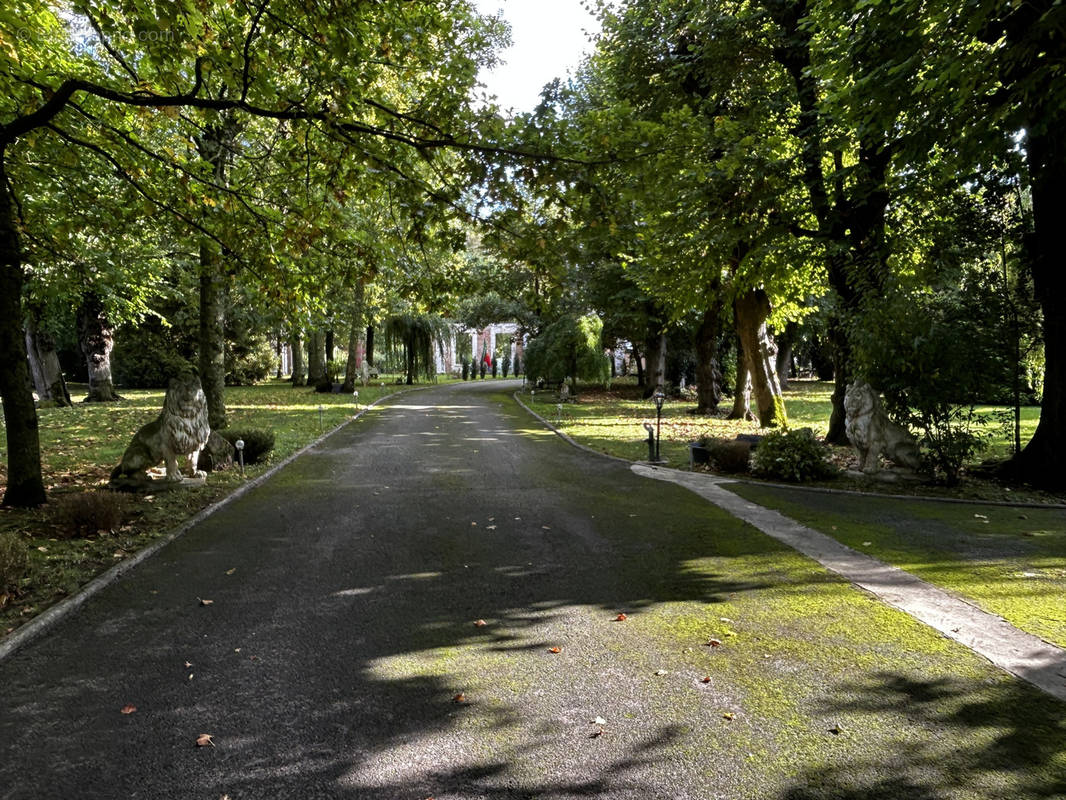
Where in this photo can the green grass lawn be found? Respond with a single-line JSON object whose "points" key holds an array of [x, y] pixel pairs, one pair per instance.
{"points": [[611, 420]]}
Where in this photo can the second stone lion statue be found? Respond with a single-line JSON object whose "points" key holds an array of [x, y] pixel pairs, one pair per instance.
{"points": [[181, 429], [872, 433]]}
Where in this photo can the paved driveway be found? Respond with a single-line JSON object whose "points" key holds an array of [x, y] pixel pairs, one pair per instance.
{"points": [[324, 630]]}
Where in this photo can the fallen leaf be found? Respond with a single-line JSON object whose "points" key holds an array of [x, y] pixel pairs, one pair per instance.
{"points": [[599, 721], [621, 618], [480, 623], [979, 516], [545, 527], [188, 664], [661, 672], [473, 524], [129, 708], [553, 650], [231, 571], [459, 698], [706, 679], [729, 715], [205, 602], [490, 527], [836, 730], [713, 643], [205, 740], [596, 734]]}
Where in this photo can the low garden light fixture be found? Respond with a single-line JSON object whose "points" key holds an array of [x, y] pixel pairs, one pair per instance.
{"points": [[239, 444], [659, 397], [355, 397]]}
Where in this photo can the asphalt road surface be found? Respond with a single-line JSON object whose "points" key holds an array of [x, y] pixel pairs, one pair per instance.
{"points": [[344, 595], [325, 631]]}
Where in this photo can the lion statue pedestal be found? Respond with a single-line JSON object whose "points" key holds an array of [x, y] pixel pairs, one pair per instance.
{"points": [[872, 433], [181, 429]]}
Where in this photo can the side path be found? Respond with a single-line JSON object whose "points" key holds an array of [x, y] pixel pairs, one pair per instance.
{"points": [[1017, 652]]}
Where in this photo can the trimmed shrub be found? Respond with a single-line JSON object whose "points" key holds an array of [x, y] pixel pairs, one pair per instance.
{"points": [[730, 457], [495, 366], [86, 514], [795, 456], [517, 366], [466, 370], [506, 365], [14, 562], [257, 442]]}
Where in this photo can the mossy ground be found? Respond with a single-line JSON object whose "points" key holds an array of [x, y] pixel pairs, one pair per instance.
{"points": [[1009, 561]]}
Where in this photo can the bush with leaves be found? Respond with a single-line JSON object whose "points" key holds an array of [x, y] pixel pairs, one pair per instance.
{"points": [[517, 366], [466, 370], [88, 513], [506, 365], [934, 357], [730, 456], [257, 442], [14, 562], [795, 456]]}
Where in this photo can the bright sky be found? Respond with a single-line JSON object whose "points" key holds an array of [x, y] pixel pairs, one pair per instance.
{"points": [[550, 38]]}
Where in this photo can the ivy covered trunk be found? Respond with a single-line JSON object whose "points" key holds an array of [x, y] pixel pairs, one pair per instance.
{"points": [[708, 373], [96, 338], [752, 308], [25, 485], [44, 364]]}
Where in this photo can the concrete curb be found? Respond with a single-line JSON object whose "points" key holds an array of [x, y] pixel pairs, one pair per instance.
{"points": [[52, 615]]}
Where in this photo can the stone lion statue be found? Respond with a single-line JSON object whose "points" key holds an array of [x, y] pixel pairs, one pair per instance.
{"points": [[181, 429], [872, 433]]}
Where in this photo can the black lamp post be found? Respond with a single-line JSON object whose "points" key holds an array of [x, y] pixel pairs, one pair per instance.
{"points": [[659, 397]]}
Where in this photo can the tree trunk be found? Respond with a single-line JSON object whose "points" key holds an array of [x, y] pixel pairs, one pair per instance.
{"points": [[96, 339], [655, 347], [1042, 461], [44, 364], [316, 357], [841, 352], [215, 147], [742, 390], [355, 328], [708, 374], [299, 370], [369, 354], [212, 338], [25, 485], [640, 367], [785, 341], [752, 308], [330, 348], [279, 345]]}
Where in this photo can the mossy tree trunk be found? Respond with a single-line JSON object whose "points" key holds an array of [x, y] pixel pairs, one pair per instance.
{"points": [[742, 389], [752, 308], [708, 373], [96, 338], [316, 357], [355, 332], [44, 364], [299, 368]]}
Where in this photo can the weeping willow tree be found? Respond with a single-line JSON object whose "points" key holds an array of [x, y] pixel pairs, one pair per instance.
{"points": [[416, 334]]}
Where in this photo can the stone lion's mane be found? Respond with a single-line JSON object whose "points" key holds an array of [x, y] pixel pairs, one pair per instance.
{"points": [[184, 418], [181, 429]]}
